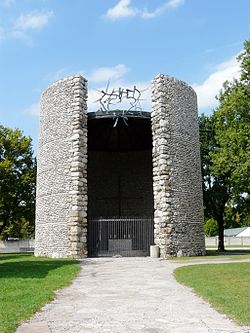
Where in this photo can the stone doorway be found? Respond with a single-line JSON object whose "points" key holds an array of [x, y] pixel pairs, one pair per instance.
{"points": [[120, 184]]}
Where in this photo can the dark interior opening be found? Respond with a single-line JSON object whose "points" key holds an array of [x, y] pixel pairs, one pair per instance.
{"points": [[119, 164], [119, 131]]}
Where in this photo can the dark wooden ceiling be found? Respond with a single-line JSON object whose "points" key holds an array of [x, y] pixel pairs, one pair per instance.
{"points": [[119, 131]]}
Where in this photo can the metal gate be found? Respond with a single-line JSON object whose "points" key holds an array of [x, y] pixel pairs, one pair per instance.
{"points": [[125, 236]]}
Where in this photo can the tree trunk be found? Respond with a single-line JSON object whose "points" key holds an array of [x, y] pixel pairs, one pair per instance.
{"points": [[221, 246], [3, 226]]}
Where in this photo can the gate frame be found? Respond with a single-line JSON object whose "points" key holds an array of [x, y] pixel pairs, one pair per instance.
{"points": [[140, 243]]}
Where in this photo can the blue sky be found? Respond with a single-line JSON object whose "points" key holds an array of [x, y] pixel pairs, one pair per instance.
{"points": [[126, 42]]}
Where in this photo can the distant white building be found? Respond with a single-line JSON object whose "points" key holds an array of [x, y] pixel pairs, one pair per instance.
{"points": [[244, 233], [233, 232]]}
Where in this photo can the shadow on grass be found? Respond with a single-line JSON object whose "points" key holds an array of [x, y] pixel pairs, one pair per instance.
{"points": [[15, 256], [31, 269]]}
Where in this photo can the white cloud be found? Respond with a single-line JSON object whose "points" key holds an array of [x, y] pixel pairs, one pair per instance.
{"points": [[104, 74], [33, 109], [33, 20], [60, 74], [98, 75], [18, 29], [124, 9], [207, 90], [20, 35], [7, 3], [171, 4], [121, 10], [175, 3]]}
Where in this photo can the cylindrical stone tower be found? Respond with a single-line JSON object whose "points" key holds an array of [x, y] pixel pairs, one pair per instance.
{"points": [[61, 201], [178, 204]]}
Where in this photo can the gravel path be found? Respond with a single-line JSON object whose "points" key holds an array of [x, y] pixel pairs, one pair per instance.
{"points": [[123, 295]]}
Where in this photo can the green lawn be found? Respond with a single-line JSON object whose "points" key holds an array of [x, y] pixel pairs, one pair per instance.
{"points": [[229, 246], [225, 286], [214, 254], [27, 283]]}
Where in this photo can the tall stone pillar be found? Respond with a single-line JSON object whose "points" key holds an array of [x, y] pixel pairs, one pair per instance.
{"points": [[178, 204], [61, 201]]}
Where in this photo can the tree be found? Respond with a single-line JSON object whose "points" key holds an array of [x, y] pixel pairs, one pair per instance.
{"points": [[231, 157], [17, 184], [232, 129], [216, 190], [225, 151], [211, 227]]}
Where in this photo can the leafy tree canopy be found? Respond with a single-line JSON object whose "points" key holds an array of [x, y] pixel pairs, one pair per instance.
{"points": [[225, 152], [232, 129], [211, 227], [17, 184]]}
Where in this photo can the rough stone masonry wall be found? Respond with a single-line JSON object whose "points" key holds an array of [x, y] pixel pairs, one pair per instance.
{"points": [[61, 201], [178, 218]]}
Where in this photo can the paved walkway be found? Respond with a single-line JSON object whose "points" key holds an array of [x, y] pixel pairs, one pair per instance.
{"points": [[123, 295]]}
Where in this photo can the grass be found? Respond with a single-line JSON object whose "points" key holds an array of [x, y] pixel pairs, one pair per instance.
{"points": [[27, 283], [213, 254], [229, 246], [225, 286]]}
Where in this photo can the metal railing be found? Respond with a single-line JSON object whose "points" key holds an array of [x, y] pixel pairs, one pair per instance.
{"points": [[124, 236]]}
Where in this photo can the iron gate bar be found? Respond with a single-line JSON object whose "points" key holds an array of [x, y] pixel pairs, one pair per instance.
{"points": [[120, 235]]}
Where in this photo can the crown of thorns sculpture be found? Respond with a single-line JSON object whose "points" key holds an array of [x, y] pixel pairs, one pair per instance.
{"points": [[116, 96]]}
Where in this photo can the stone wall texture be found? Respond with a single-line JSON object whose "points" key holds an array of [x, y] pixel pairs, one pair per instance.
{"points": [[61, 201], [62, 194], [178, 204]]}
